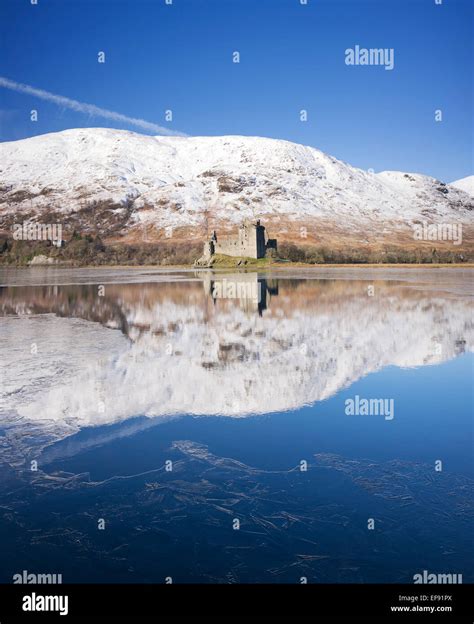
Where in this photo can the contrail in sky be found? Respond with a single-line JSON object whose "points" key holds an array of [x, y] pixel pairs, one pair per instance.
{"points": [[82, 107]]}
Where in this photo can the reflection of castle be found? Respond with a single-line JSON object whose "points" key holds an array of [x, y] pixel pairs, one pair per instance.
{"points": [[251, 242], [240, 363], [251, 291], [460, 346]]}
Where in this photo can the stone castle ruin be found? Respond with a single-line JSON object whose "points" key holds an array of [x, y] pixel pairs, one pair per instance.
{"points": [[251, 242]]}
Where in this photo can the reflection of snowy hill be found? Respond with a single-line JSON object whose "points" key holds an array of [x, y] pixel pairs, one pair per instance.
{"points": [[178, 357]]}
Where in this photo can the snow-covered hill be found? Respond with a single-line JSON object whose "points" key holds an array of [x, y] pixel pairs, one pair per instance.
{"points": [[465, 184], [144, 182]]}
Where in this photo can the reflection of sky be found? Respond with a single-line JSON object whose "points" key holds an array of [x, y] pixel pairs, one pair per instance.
{"points": [[381, 348], [433, 420], [433, 417], [317, 343]]}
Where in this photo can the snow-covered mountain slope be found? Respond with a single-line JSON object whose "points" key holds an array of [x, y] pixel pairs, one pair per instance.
{"points": [[144, 182], [465, 184]]}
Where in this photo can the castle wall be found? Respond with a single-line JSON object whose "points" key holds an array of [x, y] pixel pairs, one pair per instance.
{"points": [[208, 250], [251, 242], [243, 246]]}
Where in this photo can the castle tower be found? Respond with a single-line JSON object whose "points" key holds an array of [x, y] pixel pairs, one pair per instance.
{"points": [[251, 240], [261, 240]]}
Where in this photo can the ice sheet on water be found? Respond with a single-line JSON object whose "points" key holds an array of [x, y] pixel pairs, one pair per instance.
{"points": [[292, 523]]}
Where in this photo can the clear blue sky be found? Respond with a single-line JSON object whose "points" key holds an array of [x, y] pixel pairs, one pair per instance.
{"points": [[292, 58]]}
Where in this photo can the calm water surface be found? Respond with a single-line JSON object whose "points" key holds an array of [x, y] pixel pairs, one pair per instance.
{"points": [[205, 419]]}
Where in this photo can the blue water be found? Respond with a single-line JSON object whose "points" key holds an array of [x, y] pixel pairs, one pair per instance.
{"points": [[304, 484], [433, 420]]}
